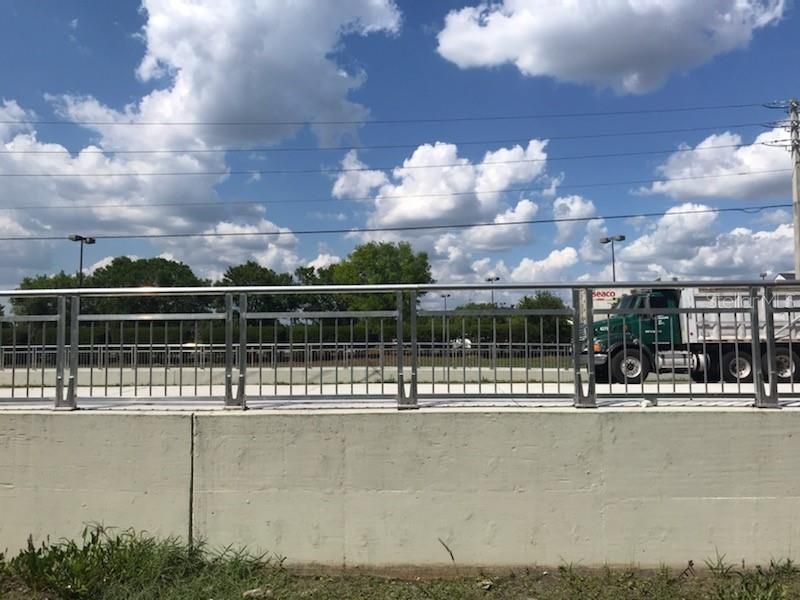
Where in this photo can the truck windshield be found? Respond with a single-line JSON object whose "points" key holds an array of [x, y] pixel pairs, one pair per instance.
{"points": [[628, 302]]}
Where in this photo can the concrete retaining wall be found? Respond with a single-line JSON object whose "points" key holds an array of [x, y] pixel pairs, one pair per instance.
{"points": [[61, 470], [516, 487]]}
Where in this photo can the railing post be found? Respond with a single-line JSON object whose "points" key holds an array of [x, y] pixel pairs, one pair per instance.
{"points": [[229, 401], [241, 401], [576, 342], [769, 400], [755, 349], [74, 343], [61, 341], [582, 400], [401, 386], [411, 401]]}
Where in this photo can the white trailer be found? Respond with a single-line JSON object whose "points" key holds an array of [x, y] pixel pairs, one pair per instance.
{"points": [[713, 326]]}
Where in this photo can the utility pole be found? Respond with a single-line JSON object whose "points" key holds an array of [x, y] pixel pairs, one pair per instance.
{"points": [[794, 130]]}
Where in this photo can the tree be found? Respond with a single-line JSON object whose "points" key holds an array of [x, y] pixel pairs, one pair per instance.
{"points": [[146, 272], [470, 323], [42, 305], [546, 328], [309, 276], [251, 273], [379, 263]]}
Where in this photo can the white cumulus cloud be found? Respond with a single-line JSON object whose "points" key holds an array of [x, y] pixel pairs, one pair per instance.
{"points": [[324, 260], [674, 236], [211, 62], [571, 207], [12, 117], [741, 252], [239, 243], [631, 46], [551, 268], [436, 185], [692, 246], [712, 169], [500, 237], [356, 181], [591, 250], [246, 61]]}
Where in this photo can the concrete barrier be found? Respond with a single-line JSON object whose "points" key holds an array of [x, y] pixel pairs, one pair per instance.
{"points": [[502, 488], [496, 488], [59, 471]]}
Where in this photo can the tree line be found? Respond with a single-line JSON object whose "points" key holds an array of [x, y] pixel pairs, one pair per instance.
{"points": [[372, 263], [368, 264]]}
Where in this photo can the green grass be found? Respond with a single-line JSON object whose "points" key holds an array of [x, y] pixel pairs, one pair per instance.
{"points": [[109, 565]]}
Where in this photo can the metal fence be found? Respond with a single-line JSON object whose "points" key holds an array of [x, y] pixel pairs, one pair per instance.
{"points": [[688, 341]]}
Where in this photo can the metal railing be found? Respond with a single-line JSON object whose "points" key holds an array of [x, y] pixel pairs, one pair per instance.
{"points": [[738, 340]]}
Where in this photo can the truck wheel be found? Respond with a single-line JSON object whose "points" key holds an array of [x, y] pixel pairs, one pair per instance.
{"points": [[627, 366], [737, 367], [786, 365]]}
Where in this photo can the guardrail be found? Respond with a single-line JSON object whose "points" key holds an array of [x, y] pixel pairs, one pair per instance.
{"points": [[740, 340]]}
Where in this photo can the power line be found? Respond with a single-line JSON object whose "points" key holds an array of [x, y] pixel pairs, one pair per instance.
{"points": [[222, 173], [398, 196], [251, 123], [215, 234], [228, 203], [263, 150]]}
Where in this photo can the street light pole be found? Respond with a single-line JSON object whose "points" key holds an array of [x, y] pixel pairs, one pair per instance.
{"points": [[611, 240], [445, 297], [83, 240], [492, 280], [445, 336]]}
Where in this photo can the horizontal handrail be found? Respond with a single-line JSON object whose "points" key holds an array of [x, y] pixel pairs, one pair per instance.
{"points": [[342, 314], [389, 288], [498, 312], [28, 319], [154, 317]]}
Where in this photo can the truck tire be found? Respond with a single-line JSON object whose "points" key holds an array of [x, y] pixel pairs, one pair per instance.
{"points": [[628, 366], [786, 365], [737, 367]]}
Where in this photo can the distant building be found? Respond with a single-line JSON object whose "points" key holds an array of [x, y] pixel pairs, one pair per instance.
{"points": [[605, 298], [785, 276], [602, 299]]}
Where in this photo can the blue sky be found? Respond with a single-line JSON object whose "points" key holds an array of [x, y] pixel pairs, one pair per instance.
{"points": [[166, 61]]}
